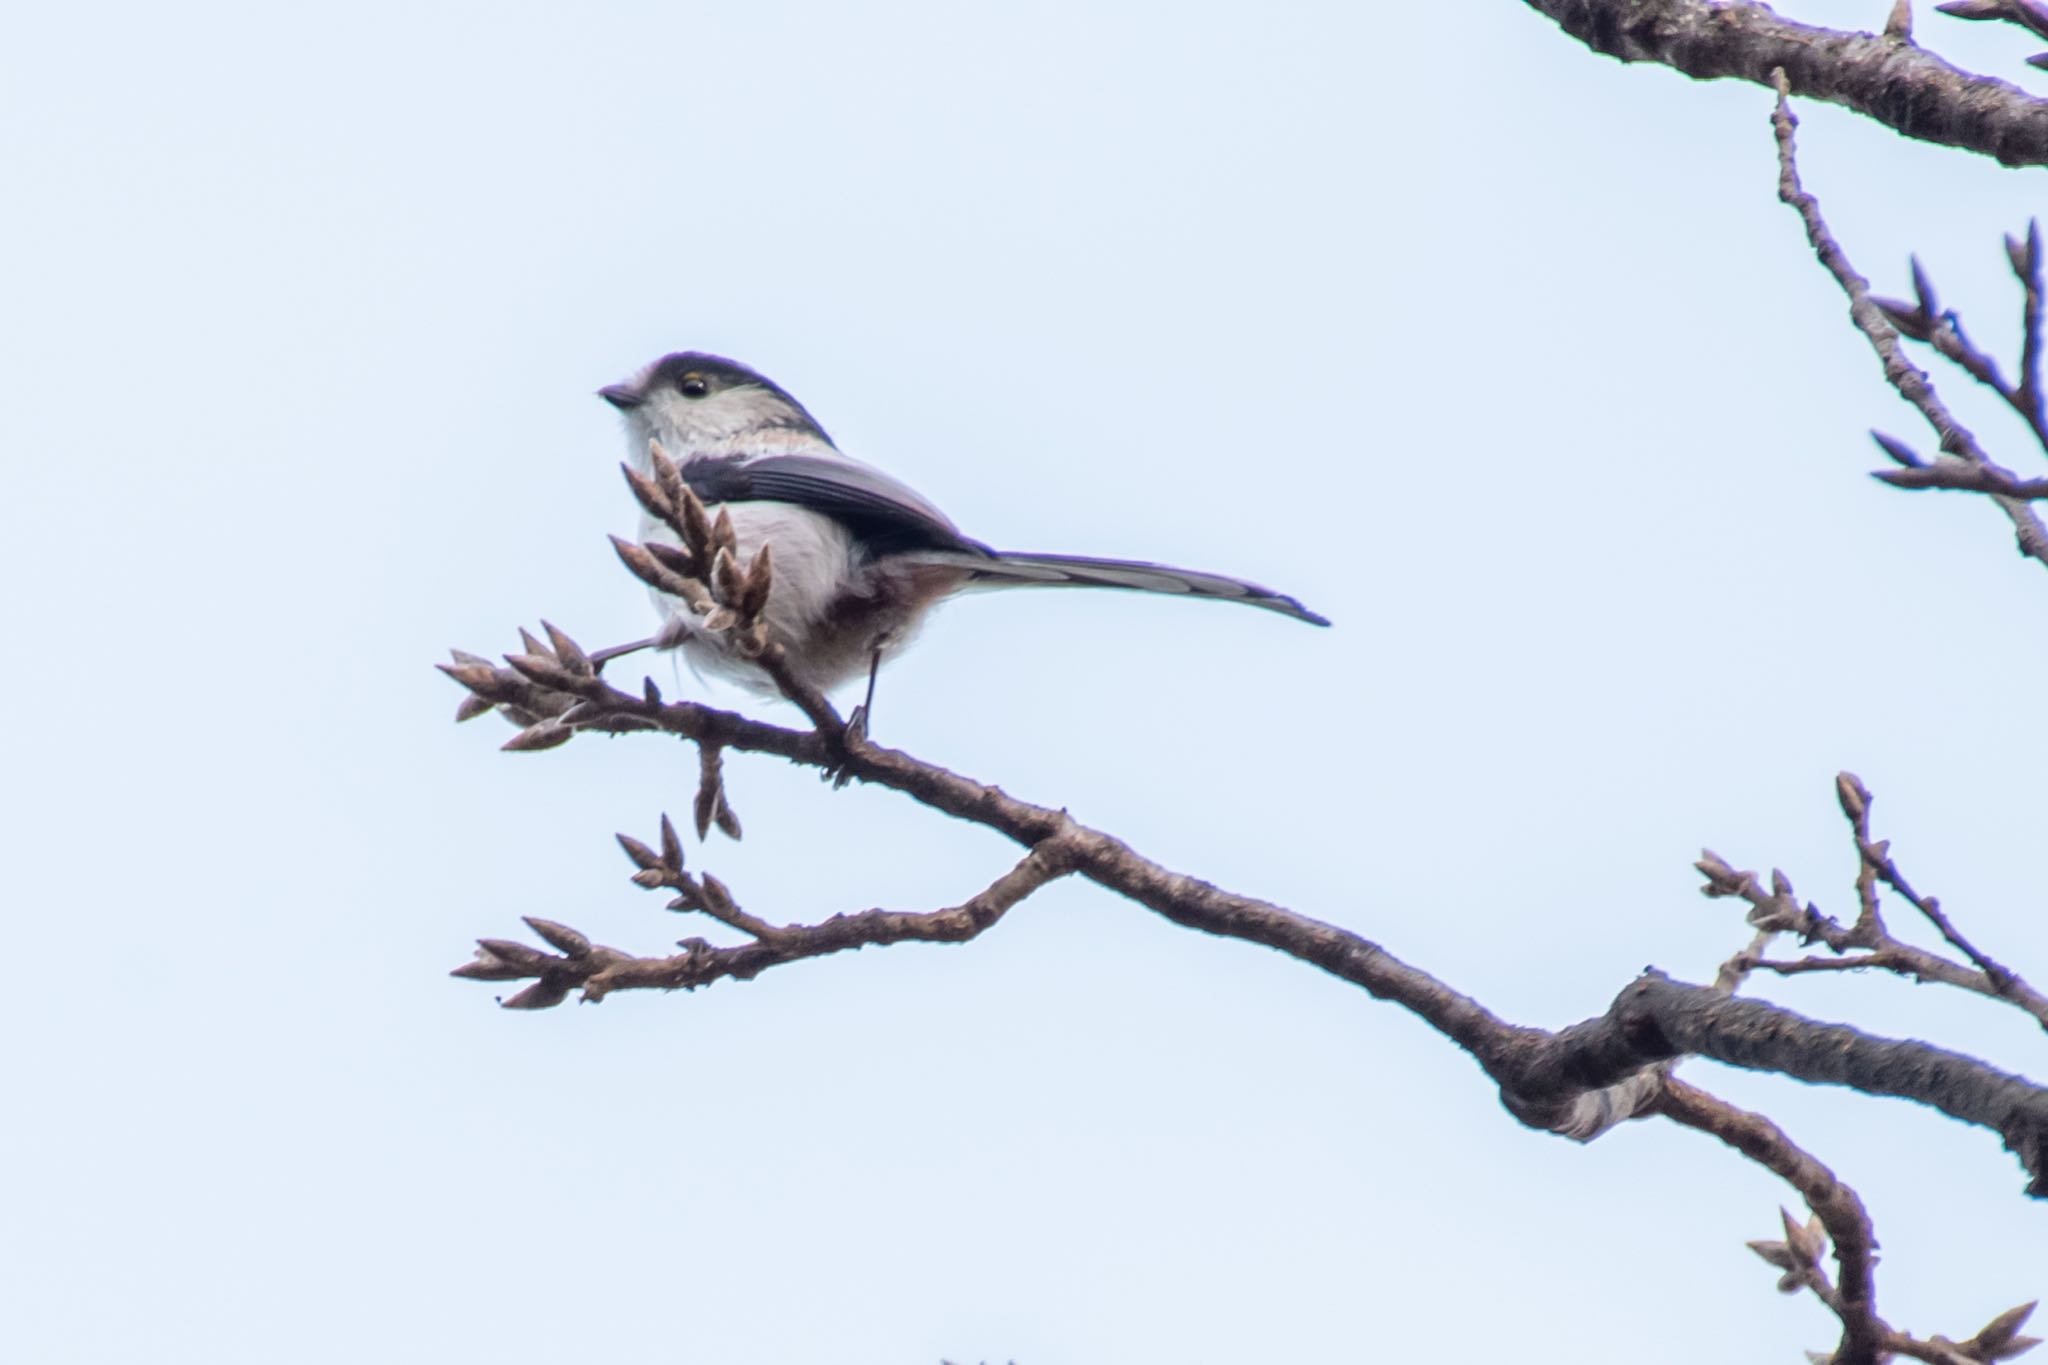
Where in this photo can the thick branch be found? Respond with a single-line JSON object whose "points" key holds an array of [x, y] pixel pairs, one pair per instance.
{"points": [[1656, 1019], [1886, 79]]}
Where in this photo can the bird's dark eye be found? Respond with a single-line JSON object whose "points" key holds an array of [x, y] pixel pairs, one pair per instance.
{"points": [[694, 386]]}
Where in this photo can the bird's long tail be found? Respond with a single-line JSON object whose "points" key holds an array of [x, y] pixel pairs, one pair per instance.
{"points": [[1011, 569]]}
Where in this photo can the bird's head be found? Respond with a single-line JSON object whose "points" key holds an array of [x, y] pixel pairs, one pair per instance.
{"points": [[690, 401]]}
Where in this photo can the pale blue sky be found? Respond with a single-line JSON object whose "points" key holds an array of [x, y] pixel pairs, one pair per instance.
{"points": [[1502, 355]]}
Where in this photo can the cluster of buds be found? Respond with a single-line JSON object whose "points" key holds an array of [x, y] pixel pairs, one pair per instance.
{"points": [[503, 959], [663, 869], [548, 689], [1775, 911], [1798, 1256], [702, 569]]}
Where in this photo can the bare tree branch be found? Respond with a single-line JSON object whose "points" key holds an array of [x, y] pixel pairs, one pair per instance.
{"points": [[597, 971], [1888, 79], [1579, 1081], [1925, 320], [1867, 944], [1853, 1296], [1963, 477], [1839, 1215], [1910, 380]]}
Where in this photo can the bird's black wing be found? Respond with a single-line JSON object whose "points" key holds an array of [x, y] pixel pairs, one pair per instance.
{"points": [[887, 515]]}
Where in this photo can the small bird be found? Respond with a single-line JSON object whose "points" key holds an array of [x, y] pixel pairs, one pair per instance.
{"points": [[860, 559]]}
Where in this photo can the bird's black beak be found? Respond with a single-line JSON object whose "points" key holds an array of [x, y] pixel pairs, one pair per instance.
{"points": [[624, 397]]}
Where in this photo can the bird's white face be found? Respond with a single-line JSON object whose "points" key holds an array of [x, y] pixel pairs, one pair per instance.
{"points": [[719, 420]]}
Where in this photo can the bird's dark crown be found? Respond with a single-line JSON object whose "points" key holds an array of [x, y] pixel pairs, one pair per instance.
{"points": [[717, 374], [720, 373]]}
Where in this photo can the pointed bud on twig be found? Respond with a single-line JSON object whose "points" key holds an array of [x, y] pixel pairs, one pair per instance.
{"points": [[1898, 450], [500, 959], [696, 527], [753, 594], [567, 650], [1899, 23], [728, 823], [1781, 885], [541, 995], [649, 692], [648, 494], [647, 878], [529, 960], [560, 936], [488, 968], [1923, 290], [543, 669], [674, 558], [1722, 880], [2000, 1338], [705, 810], [723, 537], [671, 845], [721, 899], [720, 620], [725, 575], [641, 854], [1777, 1253], [650, 570], [666, 475], [1809, 1239], [1854, 796], [533, 646], [548, 734], [483, 680], [463, 656], [473, 706], [1909, 320]]}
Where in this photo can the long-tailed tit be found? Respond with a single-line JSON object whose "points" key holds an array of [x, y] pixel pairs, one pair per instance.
{"points": [[860, 559]]}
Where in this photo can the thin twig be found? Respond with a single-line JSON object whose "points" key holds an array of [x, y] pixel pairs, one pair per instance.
{"points": [[1868, 944], [1962, 477], [597, 971], [1908, 379], [1992, 977]]}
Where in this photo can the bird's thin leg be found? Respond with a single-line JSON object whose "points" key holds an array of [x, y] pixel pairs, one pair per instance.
{"points": [[856, 733], [857, 723], [604, 656]]}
